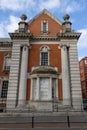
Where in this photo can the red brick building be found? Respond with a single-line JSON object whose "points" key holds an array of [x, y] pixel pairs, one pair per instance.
{"points": [[83, 75], [39, 66]]}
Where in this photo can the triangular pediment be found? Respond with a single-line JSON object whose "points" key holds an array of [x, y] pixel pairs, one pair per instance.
{"points": [[53, 24], [45, 11]]}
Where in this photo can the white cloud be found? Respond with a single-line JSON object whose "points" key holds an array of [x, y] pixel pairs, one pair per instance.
{"points": [[73, 6], [10, 26], [17, 5], [82, 44], [69, 6], [83, 39], [13, 24], [1, 30], [49, 4], [11, 4]]}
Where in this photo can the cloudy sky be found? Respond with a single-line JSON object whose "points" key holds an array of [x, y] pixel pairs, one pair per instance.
{"points": [[11, 10]]}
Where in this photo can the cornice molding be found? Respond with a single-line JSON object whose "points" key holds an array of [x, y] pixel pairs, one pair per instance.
{"points": [[45, 38], [21, 35], [44, 70], [68, 35]]}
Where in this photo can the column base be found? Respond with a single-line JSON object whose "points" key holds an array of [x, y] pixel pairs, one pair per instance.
{"points": [[40, 105]]}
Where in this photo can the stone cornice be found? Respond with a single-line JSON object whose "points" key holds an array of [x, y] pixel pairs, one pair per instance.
{"points": [[58, 37], [44, 70], [45, 38], [68, 35], [26, 35]]}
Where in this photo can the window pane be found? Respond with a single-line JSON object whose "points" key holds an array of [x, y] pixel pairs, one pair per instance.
{"points": [[44, 84], [34, 88], [53, 88], [44, 27], [44, 58], [7, 63], [4, 89]]}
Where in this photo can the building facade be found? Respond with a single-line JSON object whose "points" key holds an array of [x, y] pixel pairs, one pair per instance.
{"points": [[39, 66], [83, 76]]}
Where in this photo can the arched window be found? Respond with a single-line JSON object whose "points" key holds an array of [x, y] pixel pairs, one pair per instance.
{"points": [[44, 56], [7, 61]]}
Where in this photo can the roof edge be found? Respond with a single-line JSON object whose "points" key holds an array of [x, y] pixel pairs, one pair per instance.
{"points": [[45, 11]]}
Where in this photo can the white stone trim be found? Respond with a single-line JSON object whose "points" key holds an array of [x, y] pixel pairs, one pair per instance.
{"points": [[57, 89], [45, 42], [23, 77], [48, 51], [75, 76], [65, 76], [11, 99], [31, 91]]}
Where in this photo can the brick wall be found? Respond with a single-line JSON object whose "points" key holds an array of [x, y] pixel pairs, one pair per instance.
{"points": [[34, 60], [34, 56], [53, 26]]}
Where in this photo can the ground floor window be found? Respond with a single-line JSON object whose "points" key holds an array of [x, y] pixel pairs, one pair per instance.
{"points": [[44, 88], [4, 89]]}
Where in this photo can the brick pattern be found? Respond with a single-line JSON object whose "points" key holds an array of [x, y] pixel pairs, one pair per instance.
{"points": [[83, 76], [34, 56], [53, 26], [2, 55]]}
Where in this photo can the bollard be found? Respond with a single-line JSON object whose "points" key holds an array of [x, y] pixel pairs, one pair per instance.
{"points": [[68, 121], [32, 121]]}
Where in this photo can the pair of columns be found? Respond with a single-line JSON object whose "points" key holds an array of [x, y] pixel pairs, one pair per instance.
{"points": [[65, 76], [36, 89]]}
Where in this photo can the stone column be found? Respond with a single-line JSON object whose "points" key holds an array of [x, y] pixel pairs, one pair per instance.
{"points": [[65, 76], [38, 89], [50, 89], [23, 77]]}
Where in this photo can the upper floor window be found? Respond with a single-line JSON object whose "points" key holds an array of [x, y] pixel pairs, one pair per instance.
{"points": [[44, 26], [85, 61], [4, 89], [7, 61], [44, 56]]}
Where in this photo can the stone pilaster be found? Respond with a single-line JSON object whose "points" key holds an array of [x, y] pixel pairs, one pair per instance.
{"points": [[23, 77], [75, 76], [65, 75], [14, 76]]}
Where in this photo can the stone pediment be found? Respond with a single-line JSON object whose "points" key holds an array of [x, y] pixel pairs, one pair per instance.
{"points": [[45, 11], [44, 70]]}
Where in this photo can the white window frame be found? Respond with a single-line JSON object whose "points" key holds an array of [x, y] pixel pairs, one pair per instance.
{"points": [[3, 90], [38, 89], [42, 26], [7, 67], [44, 49], [42, 97]]}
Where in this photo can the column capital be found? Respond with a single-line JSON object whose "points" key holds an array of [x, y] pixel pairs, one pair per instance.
{"points": [[26, 45], [64, 45]]}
